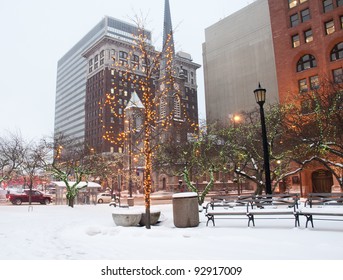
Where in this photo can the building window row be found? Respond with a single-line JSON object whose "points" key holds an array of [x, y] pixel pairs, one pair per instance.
{"points": [[297, 18], [309, 61], [313, 81], [329, 27], [308, 37]]}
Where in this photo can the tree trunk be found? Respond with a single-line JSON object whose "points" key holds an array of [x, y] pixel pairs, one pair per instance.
{"points": [[71, 202]]}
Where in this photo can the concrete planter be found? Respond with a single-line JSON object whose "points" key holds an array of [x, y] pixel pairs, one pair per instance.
{"points": [[126, 219], [154, 216], [185, 210]]}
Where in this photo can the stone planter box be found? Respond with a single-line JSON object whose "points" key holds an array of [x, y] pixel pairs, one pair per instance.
{"points": [[126, 219], [154, 216]]}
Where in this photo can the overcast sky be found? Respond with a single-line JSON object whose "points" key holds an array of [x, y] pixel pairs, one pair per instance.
{"points": [[35, 34]]}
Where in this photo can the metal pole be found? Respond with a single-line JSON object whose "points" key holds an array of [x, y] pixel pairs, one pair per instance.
{"points": [[130, 163], [265, 152]]}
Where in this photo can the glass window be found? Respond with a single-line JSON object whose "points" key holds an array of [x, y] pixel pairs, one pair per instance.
{"points": [[305, 15], [329, 27], [295, 41], [314, 82], [123, 54], [303, 1], [294, 20], [303, 85], [162, 107], [337, 75], [327, 6], [177, 107], [339, 3], [308, 36], [337, 52], [292, 3], [306, 62]]}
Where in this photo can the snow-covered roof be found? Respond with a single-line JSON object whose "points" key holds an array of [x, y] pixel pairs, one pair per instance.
{"points": [[134, 102], [79, 185]]}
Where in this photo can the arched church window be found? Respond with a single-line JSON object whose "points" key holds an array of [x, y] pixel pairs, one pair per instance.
{"points": [[163, 107], [177, 107]]}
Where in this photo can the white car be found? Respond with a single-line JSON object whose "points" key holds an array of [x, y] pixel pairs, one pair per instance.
{"points": [[104, 198]]}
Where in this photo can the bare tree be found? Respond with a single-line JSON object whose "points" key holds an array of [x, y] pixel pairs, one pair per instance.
{"points": [[12, 150], [34, 158]]}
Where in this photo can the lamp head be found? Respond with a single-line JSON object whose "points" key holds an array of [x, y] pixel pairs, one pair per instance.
{"points": [[260, 95]]}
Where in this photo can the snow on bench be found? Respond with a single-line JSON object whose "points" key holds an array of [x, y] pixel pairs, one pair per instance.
{"points": [[326, 205]]}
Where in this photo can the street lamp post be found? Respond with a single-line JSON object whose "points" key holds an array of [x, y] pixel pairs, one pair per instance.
{"points": [[260, 95], [130, 162]]}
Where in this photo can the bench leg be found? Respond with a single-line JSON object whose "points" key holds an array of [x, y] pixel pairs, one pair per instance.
{"points": [[251, 219], [309, 219], [210, 218], [297, 222]]}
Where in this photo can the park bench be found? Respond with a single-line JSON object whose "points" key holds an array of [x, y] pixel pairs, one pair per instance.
{"points": [[273, 205], [227, 206], [326, 205]]}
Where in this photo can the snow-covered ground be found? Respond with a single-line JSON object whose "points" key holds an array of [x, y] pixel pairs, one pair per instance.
{"points": [[40, 243], [89, 233]]}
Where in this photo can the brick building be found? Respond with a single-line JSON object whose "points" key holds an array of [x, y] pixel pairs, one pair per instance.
{"points": [[308, 43]]}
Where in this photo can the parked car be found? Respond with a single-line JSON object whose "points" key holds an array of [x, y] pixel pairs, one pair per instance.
{"points": [[36, 197], [104, 198]]}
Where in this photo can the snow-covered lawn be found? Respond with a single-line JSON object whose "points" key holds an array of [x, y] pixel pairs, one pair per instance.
{"points": [[89, 233]]}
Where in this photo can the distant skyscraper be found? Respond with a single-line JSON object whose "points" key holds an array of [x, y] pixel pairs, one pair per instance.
{"points": [[72, 70]]}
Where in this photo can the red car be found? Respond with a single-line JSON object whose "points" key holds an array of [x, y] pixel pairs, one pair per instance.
{"points": [[36, 196]]}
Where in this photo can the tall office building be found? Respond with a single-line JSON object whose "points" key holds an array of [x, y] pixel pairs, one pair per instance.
{"points": [[237, 55], [72, 72], [114, 69]]}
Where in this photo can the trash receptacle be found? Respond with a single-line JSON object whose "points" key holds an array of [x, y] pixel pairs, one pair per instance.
{"points": [[185, 209], [130, 201]]}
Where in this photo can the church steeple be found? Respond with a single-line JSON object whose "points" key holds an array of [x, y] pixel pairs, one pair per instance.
{"points": [[168, 40], [168, 50]]}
